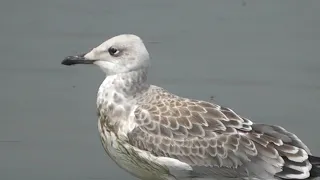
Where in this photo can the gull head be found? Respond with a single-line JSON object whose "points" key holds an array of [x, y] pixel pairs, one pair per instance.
{"points": [[120, 54]]}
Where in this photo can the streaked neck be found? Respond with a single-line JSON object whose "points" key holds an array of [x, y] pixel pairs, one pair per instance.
{"points": [[128, 84]]}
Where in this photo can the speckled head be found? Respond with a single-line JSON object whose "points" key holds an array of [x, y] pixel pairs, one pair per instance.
{"points": [[120, 54]]}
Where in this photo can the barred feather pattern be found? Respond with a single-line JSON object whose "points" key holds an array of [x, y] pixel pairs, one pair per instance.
{"points": [[208, 136]]}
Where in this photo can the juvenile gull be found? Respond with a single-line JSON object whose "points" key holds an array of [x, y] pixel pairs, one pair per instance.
{"points": [[157, 135]]}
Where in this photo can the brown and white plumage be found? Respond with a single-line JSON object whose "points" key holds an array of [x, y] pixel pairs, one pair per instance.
{"points": [[207, 136], [154, 134]]}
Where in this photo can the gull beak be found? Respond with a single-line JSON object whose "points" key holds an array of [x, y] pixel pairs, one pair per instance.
{"points": [[79, 59]]}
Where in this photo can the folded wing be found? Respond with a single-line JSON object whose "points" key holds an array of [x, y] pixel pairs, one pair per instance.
{"points": [[215, 140]]}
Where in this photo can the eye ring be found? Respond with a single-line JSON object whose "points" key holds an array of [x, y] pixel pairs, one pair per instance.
{"points": [[113, 51]]}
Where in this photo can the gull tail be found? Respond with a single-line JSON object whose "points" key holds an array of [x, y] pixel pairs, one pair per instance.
{"points": [[315, 170], [297, 161]]}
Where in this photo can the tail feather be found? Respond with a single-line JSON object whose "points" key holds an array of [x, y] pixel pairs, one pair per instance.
{"points": [[314, 160], [297, 161], [315, 170]]}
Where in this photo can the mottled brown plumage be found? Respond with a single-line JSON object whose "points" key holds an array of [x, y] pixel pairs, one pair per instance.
{"points": [[204, 134]]}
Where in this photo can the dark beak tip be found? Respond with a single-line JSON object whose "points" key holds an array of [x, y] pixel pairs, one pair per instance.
{"points": [[67, 61]]}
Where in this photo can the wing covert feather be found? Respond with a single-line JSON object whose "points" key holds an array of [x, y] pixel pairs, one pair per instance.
{"points": [[206, 135], [196, 132]]}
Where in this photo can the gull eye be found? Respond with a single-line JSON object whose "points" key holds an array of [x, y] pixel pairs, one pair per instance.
{"points": [[113, 51]]}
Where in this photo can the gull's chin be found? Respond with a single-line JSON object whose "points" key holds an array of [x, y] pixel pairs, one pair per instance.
{"points": [[106, 66]]}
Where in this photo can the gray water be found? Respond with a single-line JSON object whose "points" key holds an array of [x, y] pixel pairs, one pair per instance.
{"points": [[261, 58]]}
